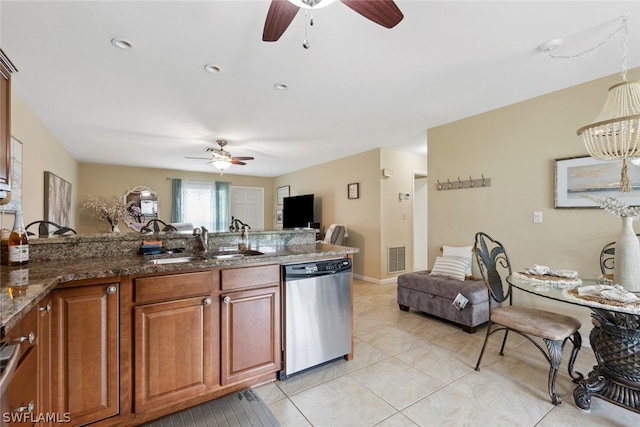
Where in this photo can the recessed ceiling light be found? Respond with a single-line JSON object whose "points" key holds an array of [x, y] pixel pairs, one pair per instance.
{"points": [[122, 43], [281, 86], [212, 68]]}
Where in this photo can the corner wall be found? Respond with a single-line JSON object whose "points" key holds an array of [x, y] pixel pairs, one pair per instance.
{"points": [[516, 146]]}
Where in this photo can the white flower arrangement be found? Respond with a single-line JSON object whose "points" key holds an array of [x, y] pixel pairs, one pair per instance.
{"points": [[110, 211], [615, 206]]}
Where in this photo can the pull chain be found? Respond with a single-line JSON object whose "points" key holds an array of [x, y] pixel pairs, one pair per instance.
{"points": [[307, 15]]}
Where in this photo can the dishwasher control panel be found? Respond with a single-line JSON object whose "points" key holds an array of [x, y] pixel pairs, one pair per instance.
{"points": [[317, 268]]}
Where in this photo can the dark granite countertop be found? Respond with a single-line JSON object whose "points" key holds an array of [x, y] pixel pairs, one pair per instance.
{"points": [[43, 276]]}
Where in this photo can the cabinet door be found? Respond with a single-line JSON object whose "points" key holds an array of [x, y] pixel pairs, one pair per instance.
{"points": [[5, 121], [85, 352], [174, 351], [23, 391], [250, 337]]}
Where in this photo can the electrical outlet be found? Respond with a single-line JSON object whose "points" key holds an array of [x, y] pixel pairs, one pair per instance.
{"points": [[537, 217]]}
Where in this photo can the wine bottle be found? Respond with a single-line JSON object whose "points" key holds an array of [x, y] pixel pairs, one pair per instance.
{"points": [[18, 242]]}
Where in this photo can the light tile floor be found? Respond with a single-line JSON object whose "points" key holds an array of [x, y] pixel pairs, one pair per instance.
{"points": [[413, 370]]}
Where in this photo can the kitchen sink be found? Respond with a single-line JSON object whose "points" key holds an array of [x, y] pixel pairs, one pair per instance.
{"points": [[232, 254], [177, 260]]}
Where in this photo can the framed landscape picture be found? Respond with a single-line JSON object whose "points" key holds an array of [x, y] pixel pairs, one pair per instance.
{"points": [[57, 199], [577, 176]]}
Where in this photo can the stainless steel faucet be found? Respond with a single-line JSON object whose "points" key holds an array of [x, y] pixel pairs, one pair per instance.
{"points": [[203, 235]]}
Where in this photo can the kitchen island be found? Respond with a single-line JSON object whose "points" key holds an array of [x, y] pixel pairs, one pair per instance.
{"points": [[153, 338]]}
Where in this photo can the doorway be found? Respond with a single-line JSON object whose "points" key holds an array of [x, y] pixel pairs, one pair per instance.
{"points": [[247, 204], [420, 228]]}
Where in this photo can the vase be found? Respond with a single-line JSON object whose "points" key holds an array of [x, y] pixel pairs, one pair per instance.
{"points": [[626, 264], [115, 228]]}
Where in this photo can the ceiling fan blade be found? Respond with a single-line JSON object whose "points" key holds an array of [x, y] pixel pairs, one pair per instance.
{"points": [[280, 15], [241, 158], [237, 162], [382, 12]]}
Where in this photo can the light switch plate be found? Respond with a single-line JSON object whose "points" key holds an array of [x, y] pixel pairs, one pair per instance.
{"points": [[537, 217]]}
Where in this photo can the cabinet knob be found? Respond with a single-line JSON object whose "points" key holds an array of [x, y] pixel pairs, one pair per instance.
{"points": [[226, 299], [207, 301], [46, 308], [29, 408], [31, 338], [111, 290]]}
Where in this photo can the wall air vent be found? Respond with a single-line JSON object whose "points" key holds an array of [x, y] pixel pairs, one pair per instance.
{"points": [[396, 260]]}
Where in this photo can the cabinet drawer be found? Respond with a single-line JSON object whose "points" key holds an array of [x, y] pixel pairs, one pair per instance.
{"points": [[25, 332], [247, 277], [171, 286]]}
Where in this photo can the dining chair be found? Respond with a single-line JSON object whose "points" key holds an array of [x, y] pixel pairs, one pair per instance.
{"points": [[607, 255], [48, 228], [553, 328]]}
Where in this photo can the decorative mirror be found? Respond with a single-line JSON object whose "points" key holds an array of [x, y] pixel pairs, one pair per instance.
{"points": [[142, 204]]}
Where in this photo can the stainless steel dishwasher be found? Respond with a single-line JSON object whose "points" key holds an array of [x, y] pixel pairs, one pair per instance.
{"points": [[316, 314]]}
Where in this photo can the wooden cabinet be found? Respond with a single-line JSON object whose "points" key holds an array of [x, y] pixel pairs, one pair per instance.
{"points": [[250, 322], [6, 68], [23, 406], [176, 338], [85, 360]]}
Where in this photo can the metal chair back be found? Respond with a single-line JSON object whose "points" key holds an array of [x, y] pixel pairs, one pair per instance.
{"points": [[493, 263]]}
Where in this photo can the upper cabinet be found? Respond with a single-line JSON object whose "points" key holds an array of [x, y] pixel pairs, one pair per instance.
{"points": [[6, 69]]}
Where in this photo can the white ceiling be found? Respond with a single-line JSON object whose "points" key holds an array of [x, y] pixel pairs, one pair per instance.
{"points": [[359, 86]]}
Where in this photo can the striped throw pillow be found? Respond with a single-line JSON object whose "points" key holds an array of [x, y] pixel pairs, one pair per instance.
{"points": [[452, 267]]}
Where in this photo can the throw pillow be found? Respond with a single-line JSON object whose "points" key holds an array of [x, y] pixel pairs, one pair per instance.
{"points": [[452, 267], [460, 251]]}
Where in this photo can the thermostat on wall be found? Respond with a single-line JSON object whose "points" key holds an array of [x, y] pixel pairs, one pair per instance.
{"points": [[387, 172]]}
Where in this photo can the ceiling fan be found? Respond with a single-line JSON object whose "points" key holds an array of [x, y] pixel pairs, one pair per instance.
{"points": [[220, 158], [282, 12]]}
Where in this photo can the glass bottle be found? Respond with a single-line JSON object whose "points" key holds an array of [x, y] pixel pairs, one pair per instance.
{"points": [[18, 244]]}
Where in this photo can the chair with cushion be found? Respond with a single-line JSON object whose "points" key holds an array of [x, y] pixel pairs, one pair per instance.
{"points": [[335, 234], [553, 328]]}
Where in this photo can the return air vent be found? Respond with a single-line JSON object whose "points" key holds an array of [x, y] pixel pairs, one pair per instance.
{"points": [[397, 259]]}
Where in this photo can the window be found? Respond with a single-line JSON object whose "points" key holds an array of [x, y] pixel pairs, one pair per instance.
{"points": [[201, 203]]}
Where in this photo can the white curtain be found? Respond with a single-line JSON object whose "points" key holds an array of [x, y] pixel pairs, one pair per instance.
{"points": [[202, 203]]}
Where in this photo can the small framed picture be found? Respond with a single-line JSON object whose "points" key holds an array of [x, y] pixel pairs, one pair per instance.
{"points": [[282, 193], [278, 216], [353, 190]]}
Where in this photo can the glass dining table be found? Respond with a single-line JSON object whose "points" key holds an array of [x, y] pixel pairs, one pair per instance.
{"points": [[615, 341]]}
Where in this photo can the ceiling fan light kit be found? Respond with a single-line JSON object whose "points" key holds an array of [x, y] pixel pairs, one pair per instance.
{"points": [[281, 12], [222, 159]]}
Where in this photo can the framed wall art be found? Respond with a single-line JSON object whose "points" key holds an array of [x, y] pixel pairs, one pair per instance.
{"points": [[353, 191], [577, 176], [282, 193], [278, 216], [57, 199]]}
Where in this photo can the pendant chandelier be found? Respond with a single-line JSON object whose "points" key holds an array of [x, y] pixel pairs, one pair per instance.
{"points": [[615, 132]]}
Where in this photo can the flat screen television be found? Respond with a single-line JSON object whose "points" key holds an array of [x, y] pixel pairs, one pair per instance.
{"points": [[297, 211]]}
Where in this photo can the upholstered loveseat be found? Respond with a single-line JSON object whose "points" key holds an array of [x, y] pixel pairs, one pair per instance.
{"points": [[434, 295]]}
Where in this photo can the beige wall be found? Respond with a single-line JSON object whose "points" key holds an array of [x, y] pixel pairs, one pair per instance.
{"points": [[516, 146], [41, 152], [110, 181], [374, 220]]}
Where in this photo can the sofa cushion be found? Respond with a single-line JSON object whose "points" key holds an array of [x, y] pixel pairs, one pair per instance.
{"points": [[465, 252], [452, 267], [474, 290]]}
